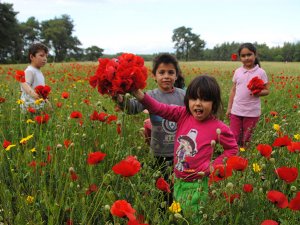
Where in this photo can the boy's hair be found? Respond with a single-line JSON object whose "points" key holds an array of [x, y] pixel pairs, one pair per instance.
{"points": [[35, 48], [204, 87], [167, 58], [252, 48]]}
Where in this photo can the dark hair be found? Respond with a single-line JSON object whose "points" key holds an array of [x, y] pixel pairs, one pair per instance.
{"points": [[35, 48], [169, 59], [252, 48], [207, 88]]}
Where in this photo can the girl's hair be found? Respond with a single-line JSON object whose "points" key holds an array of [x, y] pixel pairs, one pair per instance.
{"points": [[204, 87], [167, 58], [252, 48], [35, 48]]}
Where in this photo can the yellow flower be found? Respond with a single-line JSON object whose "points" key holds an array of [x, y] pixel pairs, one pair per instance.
{"points": [[276, 127], [242, 149], [30, 121], [33, 150], [26, 139], [29, 199], [38, 101], [175, 207], [9, 147], [20, 102], [297, 136], [256, 167]]}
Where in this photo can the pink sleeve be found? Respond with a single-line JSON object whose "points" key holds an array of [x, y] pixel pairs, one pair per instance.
{"points": [[228, 143], [169, 112]]}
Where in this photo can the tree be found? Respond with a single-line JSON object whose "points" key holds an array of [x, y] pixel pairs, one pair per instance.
{"points": [[57, 34], [9, 30], [187, 44], [93, 53]]}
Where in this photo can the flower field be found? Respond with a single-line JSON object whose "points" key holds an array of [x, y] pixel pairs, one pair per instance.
{"points": [[86, 162]]}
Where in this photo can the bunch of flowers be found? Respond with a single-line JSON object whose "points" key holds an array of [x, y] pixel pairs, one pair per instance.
{"points": [[20, 76], [43, 91], [123, 75], [256, 85]]}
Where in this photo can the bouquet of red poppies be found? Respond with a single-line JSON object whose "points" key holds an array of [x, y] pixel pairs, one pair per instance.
{"points": [[20, 76], [121, 75], [256, 85], [43, 91]]}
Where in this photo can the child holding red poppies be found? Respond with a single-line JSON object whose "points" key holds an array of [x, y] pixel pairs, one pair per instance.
{"points": [[250, 82], [37, 55]]}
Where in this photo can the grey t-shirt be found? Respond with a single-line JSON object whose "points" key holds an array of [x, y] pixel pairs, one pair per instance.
{"points": [[163, 131]]}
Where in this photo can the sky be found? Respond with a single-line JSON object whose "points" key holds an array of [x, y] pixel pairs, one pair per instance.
{"points": [[146, 26]]}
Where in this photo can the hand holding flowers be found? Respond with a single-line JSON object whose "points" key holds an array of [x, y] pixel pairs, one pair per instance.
{"points": [[256, 85]]}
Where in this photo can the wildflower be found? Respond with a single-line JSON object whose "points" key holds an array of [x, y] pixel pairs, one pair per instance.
{"points": [[95, 157], [269, 222], [20, 76], [9, 147], [287, 174], [24, 140], [242, 149], [127, 167], [42, 119], [162, 185], [256, 167], [30, 121], [237, 163], [295, 203], [122, 208], [73, 174], [247, 188], [265, 150], [32, 150], [231, 197], [278, 198], [297, 136], [29, 199], [294, 146], [282, 141], [43, 91], [175, 207], [38, 101], [92, 188], [276, 127], [6, 143], [219, 173], [65, 95], [75, 115], [20, 101]]}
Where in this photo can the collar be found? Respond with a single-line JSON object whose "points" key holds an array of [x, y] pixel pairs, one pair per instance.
{"points": [[251, 70]]}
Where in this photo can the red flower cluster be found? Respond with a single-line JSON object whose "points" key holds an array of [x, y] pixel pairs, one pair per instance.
{"points": [[43, 91], [278, 198], [282, 141], [119, 76], [127, 167], [121, 208], [42, 119], [265, 150], [256, 85], [162, 185], [20, 76], [294, 147], [287, 174], [95, 157], [237, 163]]}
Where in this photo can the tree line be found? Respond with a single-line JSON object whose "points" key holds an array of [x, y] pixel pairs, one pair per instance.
{"points": [[57, 34]]}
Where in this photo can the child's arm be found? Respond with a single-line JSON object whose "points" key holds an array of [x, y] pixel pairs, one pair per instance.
{"points": [[132, 106], [28, 90], [230, 101]]}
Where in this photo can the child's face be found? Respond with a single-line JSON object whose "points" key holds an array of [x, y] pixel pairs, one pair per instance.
{"points": [[165, 76], [200, 109], [39, 59], [248, 58]]}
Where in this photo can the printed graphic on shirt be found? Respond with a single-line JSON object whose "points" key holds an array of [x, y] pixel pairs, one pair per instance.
{"points": [[187, 148], [169, 127]]}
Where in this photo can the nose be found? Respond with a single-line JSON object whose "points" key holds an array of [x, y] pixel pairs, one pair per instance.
{"points": [[198, 101]]}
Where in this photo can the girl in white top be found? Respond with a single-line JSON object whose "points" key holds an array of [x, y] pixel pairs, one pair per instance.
{"points": [[37, 56]]}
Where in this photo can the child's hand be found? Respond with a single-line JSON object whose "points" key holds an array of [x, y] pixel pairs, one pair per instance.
{"points": [[138, 94]]}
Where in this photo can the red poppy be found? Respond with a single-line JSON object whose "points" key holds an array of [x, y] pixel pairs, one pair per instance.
{"points": [[2, 100], [119, 128], [256, 85], [111, 118], [69, 222], [59, 104], [67, 143], [94, 116], [219, 173], [127, 167], [6, 143], [92, 188], [162, 185], [273, 113], [265, 150], [230, 198], [65, 95], [95, 157], [20, 76], [282, 141], [43, 91], [287, 174], [42, 119], [269, 222], [295, 202], [248, 188], [278, 198], [31, 110], [73, 175], [102, 116], [135, 222], [234, 57], [237, 163], [32, 164], [294, 147], [75, 115], [121, 208]]}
